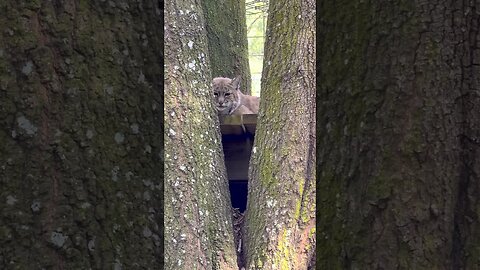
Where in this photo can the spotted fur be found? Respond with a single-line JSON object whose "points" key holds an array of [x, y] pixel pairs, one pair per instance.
{"points": [[230, 100]]}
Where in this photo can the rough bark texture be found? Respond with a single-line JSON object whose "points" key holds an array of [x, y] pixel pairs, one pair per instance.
{"points": [[280, 219], [227, 40], [198, 213], [80, 136], [398, 135]]}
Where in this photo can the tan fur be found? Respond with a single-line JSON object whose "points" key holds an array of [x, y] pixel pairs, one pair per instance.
{"points": [[230, 100], [242, 110]]}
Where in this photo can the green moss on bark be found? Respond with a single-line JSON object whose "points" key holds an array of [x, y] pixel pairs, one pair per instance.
{"points": [[59, 149], [227, 40], [281, 199]]}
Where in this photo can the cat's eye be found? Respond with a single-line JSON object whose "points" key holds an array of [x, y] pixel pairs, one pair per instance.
{"points": [[215, 94], [227, 94]]}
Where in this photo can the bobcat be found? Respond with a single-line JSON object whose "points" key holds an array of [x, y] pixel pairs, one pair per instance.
{"points": [[230, 100]]}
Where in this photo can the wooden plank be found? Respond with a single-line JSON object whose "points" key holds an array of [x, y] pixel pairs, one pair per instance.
{"points": [[238, 124]]}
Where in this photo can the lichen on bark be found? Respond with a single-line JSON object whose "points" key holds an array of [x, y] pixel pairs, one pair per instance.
{"points": [[281, 201], [227, 40], [198, 216], [390, 91], [78, 197]]}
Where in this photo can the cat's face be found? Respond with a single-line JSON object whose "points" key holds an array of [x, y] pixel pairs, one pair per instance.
{"points": [[225, 94]]}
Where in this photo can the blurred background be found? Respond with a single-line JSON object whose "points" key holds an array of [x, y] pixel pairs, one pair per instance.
{"points": [[256, 11]]}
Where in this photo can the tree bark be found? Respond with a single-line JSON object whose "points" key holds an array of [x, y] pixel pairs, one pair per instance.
{"points": [[198, 213], [80, 151], [398, 135], [280, 218], [227, 40]]}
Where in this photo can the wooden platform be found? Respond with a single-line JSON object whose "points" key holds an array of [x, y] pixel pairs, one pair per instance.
{"points": [[238, 132], [238, 124]]}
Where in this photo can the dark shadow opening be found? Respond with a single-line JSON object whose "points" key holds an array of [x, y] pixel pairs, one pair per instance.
{"points": [[237, 150], [238, 132], [239, 193]]}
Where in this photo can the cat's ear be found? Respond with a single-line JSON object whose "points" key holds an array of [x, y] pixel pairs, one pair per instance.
{"points": [[236, 82], [215, 81]]}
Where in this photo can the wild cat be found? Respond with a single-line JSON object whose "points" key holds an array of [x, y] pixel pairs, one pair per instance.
{"points": [[230, 100]]}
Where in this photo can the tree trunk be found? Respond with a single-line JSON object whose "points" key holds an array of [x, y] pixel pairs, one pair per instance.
{"points": [[398, 135], [198, 213], [280, 219], [80, 143], [227, 40]]}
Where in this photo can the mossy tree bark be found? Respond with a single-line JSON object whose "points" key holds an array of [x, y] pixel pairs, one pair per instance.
{"points": [[398, 133], [80, 151], [227, 40], [198, 213], [280, 218]]}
